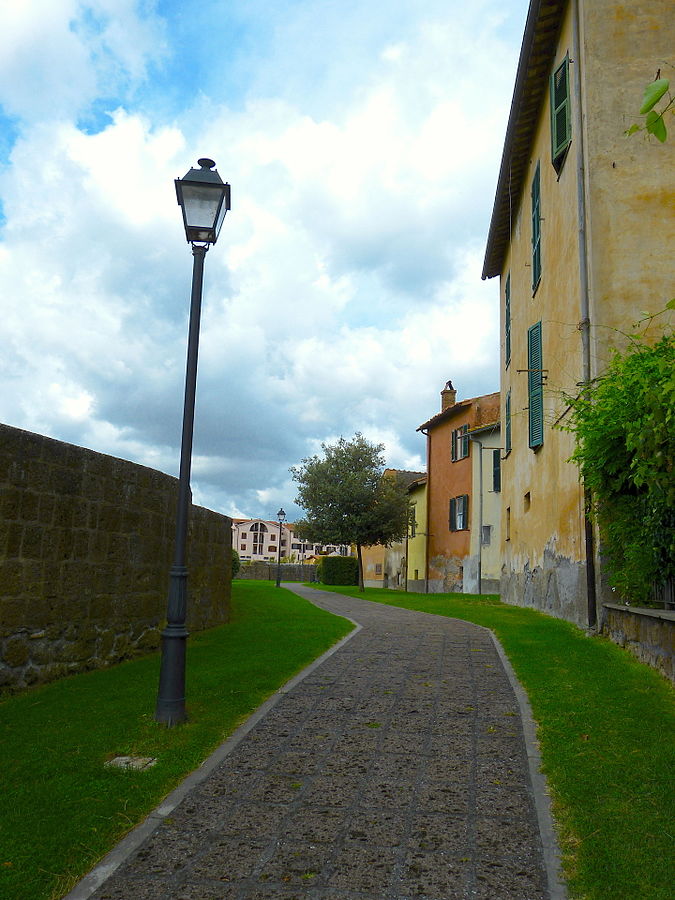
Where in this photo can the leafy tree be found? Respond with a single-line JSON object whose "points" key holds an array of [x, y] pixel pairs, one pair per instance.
{"points": [[236, 563], [348, 499], [624, 425]]}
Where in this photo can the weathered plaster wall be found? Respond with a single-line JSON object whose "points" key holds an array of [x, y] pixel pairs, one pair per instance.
{"points": [[417, 544], [629, 196], [631, 181], [86, 543], [542, 504]]}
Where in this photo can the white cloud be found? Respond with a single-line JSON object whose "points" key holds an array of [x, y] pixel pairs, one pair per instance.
{"points": [[60, 55], [344, 290]]}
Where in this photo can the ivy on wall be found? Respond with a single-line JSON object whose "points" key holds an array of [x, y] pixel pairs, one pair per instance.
{"points": [[624, 426]]}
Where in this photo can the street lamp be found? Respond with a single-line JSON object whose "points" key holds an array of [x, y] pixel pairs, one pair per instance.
{"points": [[204, 200], [281, 516]]}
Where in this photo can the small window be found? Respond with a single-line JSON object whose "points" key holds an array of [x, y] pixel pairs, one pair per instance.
{"points": [[561, 125], [459, 513], [378, 568], [486, 535], [271, 549], [459, 445], [507, 321], [536, 229]]}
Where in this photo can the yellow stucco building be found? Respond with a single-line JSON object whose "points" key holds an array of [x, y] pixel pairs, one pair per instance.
{"points": [[417, 538], [581, 237]]}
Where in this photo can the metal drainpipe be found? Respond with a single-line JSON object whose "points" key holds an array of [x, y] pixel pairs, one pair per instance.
{"points": [[426, 543], [480, 513], [585, 323]]}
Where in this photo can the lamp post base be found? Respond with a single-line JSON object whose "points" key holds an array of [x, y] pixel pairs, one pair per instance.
{"points": [[170, 709]]}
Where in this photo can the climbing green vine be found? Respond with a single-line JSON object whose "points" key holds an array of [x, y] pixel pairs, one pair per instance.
{"points": [[624, 426]]}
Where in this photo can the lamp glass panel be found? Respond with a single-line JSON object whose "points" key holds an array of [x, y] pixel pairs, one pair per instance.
{"points": [[201, 205]]}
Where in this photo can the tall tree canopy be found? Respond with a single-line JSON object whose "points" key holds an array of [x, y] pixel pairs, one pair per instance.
{"points": [[348, 499]]}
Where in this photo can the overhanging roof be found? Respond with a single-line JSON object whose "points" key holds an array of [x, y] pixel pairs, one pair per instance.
{"points": [[538, 51]]}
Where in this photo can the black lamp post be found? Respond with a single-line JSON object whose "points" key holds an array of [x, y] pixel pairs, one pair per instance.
{"points": [[281, 516], [204, 200]]}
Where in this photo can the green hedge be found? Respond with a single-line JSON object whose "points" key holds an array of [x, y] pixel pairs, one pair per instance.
{"points": [[338, 570]]}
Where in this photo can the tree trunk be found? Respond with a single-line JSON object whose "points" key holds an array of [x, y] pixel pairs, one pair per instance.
{"points": [[360, 559]]}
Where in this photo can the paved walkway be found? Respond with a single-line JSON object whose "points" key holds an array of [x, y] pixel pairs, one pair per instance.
{"points": [[396, 768]]}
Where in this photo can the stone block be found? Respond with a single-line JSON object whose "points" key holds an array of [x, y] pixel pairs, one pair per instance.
{"points": [[65, 482], [80, 544], [30, 501], [31, 545], [46, 509], [63, 512], [10, 503], [12, 613], [16, 651], [13, 540]]}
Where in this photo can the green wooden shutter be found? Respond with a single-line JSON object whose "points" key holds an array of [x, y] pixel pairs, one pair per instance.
{"points": [[464, 441], [507, 423], [465, 523], [535, 387], [561, 125], [496, 471], [453, 514], [536, 229], [507, 320], [453, 446]]}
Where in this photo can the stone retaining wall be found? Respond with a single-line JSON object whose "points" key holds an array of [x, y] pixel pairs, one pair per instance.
{"points": [[648, 633], [86, 543], [261, 571]]}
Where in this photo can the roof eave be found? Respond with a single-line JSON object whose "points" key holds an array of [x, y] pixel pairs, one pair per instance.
{"points": [[536, 54]]}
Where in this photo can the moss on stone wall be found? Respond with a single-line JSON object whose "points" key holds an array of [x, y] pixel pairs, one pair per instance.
{"points": [[86, 543]]}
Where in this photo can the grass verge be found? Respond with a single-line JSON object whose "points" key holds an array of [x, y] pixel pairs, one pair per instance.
{"points": [[606, 725], [62, 809]]}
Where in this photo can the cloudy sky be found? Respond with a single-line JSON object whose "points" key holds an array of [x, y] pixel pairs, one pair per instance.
{"points": [[362, 141]]}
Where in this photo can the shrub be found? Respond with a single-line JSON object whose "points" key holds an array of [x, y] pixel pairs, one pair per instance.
{"points": [[624, 425], [236, 563], [338, 570]]}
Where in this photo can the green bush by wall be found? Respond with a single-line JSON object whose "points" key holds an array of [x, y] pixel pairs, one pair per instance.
{"points": [[338, 570]]}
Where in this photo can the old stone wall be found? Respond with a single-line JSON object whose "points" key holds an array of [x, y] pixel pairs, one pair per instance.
{"points": [[86, 543], [261, 571], [649, 634]]}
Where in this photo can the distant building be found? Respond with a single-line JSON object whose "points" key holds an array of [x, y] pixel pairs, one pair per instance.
{"points": [[258, 540], [482, 568], [417, 536], [386, 566], [450, 485]]}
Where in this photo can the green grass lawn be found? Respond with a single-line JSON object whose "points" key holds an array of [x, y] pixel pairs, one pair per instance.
{"points": [[61, 809], [607, 733]]}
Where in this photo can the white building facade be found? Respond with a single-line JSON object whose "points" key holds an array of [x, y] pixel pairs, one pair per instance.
{"points": [[257, 540]]}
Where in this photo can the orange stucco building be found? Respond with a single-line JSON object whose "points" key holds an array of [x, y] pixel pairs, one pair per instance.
{"points": [[450, 485]]}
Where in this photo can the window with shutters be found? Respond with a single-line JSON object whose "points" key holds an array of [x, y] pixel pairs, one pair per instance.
{"points": [[496, 471], [459, 513], [507, 423], [561, 124], [536, 229], [459, 443], [535, 386], [507, 321]]}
